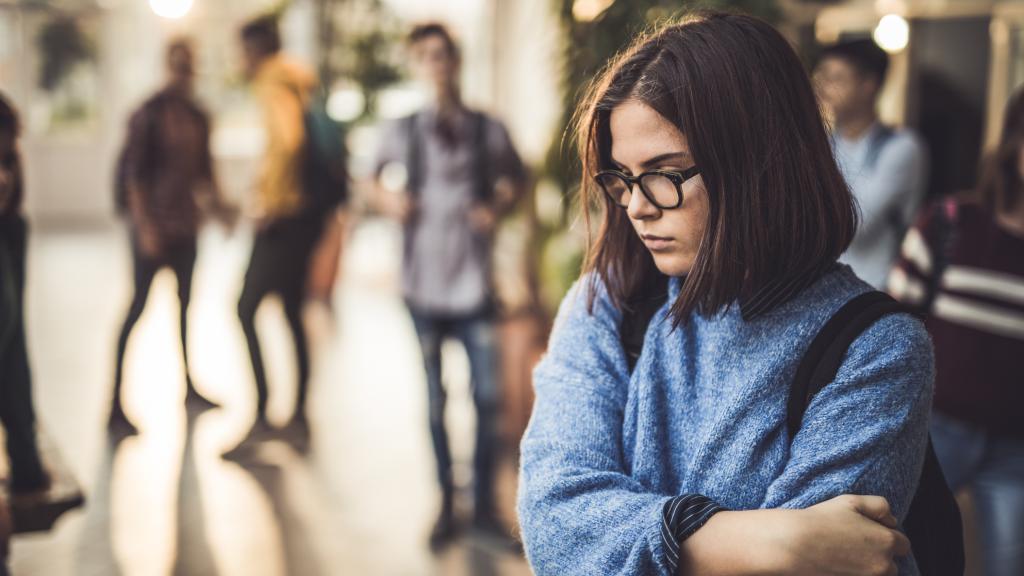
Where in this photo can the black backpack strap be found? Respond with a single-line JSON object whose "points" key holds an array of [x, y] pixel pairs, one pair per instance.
{"points": [[933, 522], [825, 355], [941, 243], [483, 185], [878, 141], [413, 155]]}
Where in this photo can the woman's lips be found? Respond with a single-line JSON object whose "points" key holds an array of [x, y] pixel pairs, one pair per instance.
{"points": [[656, 243]]}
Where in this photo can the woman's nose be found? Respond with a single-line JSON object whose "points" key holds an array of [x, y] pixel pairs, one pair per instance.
{"points": [[639, 207]]}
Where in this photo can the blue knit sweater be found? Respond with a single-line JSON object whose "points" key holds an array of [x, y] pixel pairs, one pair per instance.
{"points": [[705, 412]]}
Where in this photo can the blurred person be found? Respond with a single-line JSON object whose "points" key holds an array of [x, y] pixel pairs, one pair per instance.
{"points": [[885, 168], [963, 265], [287, 227], [463, 175], [670, 447], [17, 413], [5, 535], [326, 260], [165, 174]]}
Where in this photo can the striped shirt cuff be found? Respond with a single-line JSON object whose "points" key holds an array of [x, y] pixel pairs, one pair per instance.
{"points": [[681, 517]]}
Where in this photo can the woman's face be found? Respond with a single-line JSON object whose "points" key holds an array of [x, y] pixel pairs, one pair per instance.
{"points": [[644, 140]]}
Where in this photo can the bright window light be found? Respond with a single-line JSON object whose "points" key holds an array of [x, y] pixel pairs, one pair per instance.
{"points": [[892, 33], [346, 104], [172, 9], [588, 10]]}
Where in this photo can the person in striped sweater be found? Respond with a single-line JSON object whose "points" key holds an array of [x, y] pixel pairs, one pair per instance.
{"points": [[962, 264]]}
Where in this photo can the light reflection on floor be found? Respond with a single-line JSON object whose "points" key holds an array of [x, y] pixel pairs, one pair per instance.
{"points": [[164, 503]]}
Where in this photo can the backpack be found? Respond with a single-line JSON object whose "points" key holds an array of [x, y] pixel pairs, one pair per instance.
{"points": [[941, 241], [933, 523], [324, 171], [483, 180]]}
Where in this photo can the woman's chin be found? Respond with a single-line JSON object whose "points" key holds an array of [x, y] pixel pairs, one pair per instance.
{"points": [[672, 264]]}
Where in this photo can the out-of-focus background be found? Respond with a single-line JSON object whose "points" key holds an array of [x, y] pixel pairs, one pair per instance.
{"points": [[363, 498]]}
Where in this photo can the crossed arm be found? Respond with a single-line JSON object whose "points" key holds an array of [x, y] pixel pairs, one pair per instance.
{"points": [[581, 513]]}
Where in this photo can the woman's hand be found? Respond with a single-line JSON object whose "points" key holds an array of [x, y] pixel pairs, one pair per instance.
{"points": [[844, 535], [847, 535]]}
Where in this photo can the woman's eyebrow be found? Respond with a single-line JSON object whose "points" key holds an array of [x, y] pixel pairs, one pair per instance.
{"points": [[681, 155], [661, 158]]}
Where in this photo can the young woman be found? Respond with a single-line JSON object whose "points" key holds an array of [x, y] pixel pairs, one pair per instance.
{"points": [[963, 264], [704, 148]]}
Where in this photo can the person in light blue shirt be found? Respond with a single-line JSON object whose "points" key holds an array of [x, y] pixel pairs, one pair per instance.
{"points": [[885, 168], [706, 160]]}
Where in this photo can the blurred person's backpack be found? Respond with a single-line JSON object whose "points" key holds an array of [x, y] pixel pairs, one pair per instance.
{"points": [[483, 180], [879, 139], [933, 522], [121, 181], [325, 171], [940, 238]]}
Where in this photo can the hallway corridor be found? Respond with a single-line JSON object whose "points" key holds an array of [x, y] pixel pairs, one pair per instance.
{"points": [[360, 502]]}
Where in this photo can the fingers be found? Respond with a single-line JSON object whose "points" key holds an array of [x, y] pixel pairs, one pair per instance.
{"points": [[900, 544], [875, 508], [893, 544]]}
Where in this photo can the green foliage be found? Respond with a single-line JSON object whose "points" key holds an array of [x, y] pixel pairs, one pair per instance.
{"points": [[62, 45], [360, 41]]}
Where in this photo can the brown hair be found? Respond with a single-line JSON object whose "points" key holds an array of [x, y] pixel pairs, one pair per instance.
{"points": [[779, 208], [863, 54], [999, 189], [423, 31], [262, 32]]}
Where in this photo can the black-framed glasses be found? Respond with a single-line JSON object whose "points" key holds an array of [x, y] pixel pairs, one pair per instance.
{"points": [[663, 188]]}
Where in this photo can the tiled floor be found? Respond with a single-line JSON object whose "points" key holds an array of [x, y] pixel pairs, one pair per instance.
{"points": [[360, 502]]}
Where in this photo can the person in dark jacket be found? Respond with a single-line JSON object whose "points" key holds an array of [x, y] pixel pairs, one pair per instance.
{"points": [[164, 173], [16, 409]]}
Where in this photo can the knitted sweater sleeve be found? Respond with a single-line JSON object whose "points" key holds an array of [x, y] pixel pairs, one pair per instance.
{"points": [[579, 510], [867, 431]]}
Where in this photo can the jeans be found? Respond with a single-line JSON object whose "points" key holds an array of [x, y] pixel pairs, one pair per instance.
{"points": [[477, 333], [992, 467]]}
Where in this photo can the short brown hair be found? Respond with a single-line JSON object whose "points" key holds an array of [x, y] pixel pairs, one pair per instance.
{"points": [[779, 208], [263, 33], [423, 31], [863, 54]]}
